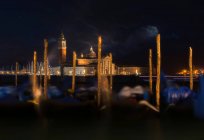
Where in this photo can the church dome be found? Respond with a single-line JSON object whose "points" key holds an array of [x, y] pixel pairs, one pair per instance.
{"points": [[92, 54]]}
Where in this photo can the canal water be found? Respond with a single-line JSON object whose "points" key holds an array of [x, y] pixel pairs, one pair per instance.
{"points": [[25, 121], [102, 127]]}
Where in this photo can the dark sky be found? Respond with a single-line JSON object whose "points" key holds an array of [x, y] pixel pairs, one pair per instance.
{"points": [[128, 28]]}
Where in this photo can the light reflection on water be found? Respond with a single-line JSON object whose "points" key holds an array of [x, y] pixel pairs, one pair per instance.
{"points": [[124, 124]]}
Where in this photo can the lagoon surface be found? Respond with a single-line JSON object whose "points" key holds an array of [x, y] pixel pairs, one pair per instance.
{"points": [[122, 121]]}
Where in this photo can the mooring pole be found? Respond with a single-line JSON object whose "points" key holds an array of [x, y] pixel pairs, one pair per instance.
{"points": [[99, 70], [40, 77], [74, 71], [191, 67], [111, 75], [150, 71], [34, 72], [48, 70], [158, 72], [16, 75], [45, 67]]}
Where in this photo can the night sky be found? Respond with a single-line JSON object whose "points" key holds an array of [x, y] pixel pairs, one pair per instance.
{"points": [[127, 27]]}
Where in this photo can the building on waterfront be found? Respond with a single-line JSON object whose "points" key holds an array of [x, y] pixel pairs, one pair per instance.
{"points": [[81, 71], [86, 64], [107, 67], [132, 70], [88, 59], [62, 47]]}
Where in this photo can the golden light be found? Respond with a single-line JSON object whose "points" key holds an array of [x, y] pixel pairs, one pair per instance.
{"points": [[58, 72], [196, 72], [100, 40]]}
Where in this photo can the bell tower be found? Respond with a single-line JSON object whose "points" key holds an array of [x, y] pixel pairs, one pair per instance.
{"points": [[62, 47]]}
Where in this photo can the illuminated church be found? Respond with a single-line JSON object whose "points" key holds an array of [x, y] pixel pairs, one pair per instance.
{"points": [[87, 59], [87, 64]]}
